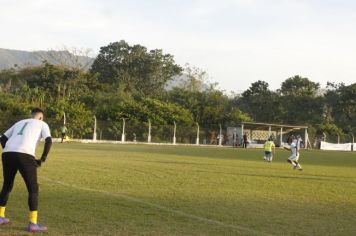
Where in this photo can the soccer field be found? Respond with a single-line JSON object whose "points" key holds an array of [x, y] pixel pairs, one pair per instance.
{"points": [[104, 189]]}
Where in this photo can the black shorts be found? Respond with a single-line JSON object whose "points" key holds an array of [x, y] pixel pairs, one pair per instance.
{"points": [[268, 154]]}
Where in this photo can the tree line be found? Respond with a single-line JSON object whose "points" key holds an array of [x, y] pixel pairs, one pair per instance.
{"points": [[130, 81]]}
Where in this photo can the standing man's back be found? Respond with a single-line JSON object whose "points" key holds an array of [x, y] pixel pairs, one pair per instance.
{"points": [[19, 146], [24, 136]]}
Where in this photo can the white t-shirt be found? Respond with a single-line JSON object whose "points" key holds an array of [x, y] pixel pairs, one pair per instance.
{"points": [[295, 145], [24, 136]]}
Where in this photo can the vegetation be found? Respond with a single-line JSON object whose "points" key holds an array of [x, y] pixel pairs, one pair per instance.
{"points": [[129, 81]]}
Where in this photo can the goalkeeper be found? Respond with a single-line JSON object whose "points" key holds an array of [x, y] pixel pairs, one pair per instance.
{"points": [[19, 145]]}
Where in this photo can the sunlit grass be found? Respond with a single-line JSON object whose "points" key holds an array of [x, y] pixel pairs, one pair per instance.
{"points": [[88, 189]]}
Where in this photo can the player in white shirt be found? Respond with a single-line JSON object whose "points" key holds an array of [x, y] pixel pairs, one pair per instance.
{"points": [[294, 157], [19, 145]]}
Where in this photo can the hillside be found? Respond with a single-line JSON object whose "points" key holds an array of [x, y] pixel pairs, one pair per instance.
{"points": [[16, 58]]}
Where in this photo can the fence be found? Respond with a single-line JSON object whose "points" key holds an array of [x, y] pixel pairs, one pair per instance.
{"points": [[333, 142], [135, 131], [131, 131]]}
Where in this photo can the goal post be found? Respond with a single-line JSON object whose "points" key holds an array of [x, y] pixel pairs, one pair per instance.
{"points": [[258, 133]]}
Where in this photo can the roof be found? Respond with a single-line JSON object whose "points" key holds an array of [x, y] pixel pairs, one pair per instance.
{"points": [[273, 125]]}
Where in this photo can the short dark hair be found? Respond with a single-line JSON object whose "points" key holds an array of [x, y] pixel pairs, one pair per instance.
{"points": [[36, 110]]}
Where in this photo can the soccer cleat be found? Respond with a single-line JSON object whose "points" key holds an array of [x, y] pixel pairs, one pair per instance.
{"points": [[4, 221], [36, 227]]}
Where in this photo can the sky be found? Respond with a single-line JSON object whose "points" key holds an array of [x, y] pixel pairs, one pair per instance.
{"points": [[237, 42]]}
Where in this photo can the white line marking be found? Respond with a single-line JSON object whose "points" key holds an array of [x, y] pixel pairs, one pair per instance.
{"points": [[160, 207]]}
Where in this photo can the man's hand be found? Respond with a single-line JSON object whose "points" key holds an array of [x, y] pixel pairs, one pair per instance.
{"points": [[38, 162]]}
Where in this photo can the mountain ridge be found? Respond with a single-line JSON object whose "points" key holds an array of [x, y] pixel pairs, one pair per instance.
{"points": [[10, 58]]}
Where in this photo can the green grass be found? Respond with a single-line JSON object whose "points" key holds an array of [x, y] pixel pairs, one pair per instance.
{"points": [[89, 189]]}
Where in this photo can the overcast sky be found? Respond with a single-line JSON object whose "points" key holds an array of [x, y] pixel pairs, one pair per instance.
{"points": [[236, 41]]}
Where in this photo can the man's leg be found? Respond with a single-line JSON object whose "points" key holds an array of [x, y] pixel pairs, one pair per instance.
{"points": [[28, 170], [9, 165], [291, 160], [296, 162]]}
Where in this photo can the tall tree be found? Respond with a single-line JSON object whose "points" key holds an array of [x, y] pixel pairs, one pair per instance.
{"points": [[135, 68], [301, 101], [299, 86], [341, 104], [260, 102]]}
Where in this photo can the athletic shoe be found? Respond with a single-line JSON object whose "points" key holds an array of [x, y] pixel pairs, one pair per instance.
{"points": [[36, 227], [4, 221], [300, 169]]}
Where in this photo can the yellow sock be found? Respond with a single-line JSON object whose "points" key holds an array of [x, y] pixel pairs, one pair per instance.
{"points": [[33, 217], [2, 212]]}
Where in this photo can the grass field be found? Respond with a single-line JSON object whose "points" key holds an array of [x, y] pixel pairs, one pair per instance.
{"points": [[91, 189]]}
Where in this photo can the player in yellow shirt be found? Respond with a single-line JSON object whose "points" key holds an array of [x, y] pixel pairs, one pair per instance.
{"points": [[269, 147]]}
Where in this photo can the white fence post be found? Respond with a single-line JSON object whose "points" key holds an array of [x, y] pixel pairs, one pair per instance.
{"points": [[149, 131], [174, 132], [220, 135], [306, 139], [94, 133], [353, 143], [64, 118], [123, 131], [197, 142]]}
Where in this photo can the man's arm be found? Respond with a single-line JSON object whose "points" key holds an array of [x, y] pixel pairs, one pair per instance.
{"points": [[6, 136], [3, 140], [46, 149]]}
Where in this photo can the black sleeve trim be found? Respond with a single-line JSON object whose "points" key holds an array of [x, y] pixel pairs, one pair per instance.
{"points": [[3, 140], [47, 147]]}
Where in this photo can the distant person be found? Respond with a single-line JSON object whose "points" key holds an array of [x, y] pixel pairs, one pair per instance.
{"points": [[294, 157], [270, 149], [213, 138], [63, 133], [315, 142], [290, 139], [19, 146], [245, 141], [234, 138]]}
